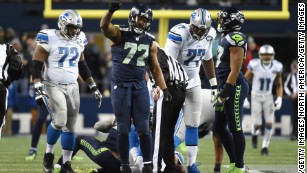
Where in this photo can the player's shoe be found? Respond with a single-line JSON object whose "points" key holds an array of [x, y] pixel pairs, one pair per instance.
{"points": [[254, 141], [57, 168], [32, 154], [125, 169], [264, 151], [238, 170], [48, 163], [147, 168], [77, 158], [66, 168], [193, 169]]}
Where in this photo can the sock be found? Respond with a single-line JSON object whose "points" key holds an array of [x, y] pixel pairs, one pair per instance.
{"points": [[52, 134], [266, 137], [66, 155], [36, 132], [49, 148], [123, 148], [192, 153], [68, 140], [134, 153], [217, 167], [239, 146], [146, 147], [227, 142], [177, 142], [191, 140]]}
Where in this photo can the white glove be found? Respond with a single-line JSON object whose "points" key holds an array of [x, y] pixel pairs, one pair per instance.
{"points": [[278, 103], [246, 104]]}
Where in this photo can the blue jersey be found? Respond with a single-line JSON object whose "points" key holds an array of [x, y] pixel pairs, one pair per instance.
{"points": [[130, 56], [233, 39]]}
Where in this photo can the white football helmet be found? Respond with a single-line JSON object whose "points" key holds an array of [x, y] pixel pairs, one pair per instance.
{"points": [[266, 54], [70, 18], [200, 23]]}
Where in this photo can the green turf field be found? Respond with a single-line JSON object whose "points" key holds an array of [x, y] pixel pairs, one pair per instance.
{"points": [[283, 156]]}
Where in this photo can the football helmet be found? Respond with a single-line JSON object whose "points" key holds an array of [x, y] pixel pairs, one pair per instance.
{"points": [[140, 18], [266, 54], [70, 19], [229, 19], [200, 23]]}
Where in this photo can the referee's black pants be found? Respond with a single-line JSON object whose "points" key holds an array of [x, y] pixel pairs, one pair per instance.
{"points": [[3, 104], [168, 113]]}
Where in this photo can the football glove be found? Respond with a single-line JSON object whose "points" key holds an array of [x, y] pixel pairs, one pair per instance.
{"points": [[94, 90], [246, 104], [218, 104], [167, 96], [278, 103], [114, 6], [40, 93]]}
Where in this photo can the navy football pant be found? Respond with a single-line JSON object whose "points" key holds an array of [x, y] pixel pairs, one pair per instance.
{"points": [[232, 116], [97, 152]]}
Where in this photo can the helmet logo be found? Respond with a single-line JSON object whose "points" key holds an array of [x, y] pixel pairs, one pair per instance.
{"points": [[193, 16]]}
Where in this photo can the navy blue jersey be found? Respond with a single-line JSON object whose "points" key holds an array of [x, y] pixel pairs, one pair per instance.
{"points": [[111, 140], [233, 39], [129, 56]]}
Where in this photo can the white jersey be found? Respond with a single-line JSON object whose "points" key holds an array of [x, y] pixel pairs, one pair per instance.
{"points": [[263, 76], [188, 51], [61, 66]]}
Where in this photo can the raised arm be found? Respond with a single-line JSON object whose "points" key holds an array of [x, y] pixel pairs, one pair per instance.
{"points": [[108, 29]]}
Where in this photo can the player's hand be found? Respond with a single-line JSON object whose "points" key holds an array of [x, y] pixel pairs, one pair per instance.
{"points": [[156, 93], [278, 103], [214, 92], [40, 93], [218, 103], [246, 104], [114, 6], [94, 90], [167, 96]]}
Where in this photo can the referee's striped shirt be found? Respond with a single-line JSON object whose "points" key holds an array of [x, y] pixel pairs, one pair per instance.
{"points": [[172, 70], [4, 64]]}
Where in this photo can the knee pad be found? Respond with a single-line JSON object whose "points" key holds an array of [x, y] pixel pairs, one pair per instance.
{"points": [[123, 128], [143, 128]]}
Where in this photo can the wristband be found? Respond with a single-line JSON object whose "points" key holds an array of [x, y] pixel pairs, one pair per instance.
{"points": [[228, 87]]}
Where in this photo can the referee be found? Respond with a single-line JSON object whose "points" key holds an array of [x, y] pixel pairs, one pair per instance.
{"points": [[10, 70], [167, 112]]}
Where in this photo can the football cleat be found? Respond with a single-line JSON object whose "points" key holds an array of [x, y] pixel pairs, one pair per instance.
{"points": [[254, 141], [193, 169], [57, 168], [66, 168], [125, 169], [147, 168], [48, 163], [32, 154], [264, 151]]}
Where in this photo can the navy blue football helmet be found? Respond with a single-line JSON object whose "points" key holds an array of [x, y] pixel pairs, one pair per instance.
{"points": [[140, 18], [230, 19]]}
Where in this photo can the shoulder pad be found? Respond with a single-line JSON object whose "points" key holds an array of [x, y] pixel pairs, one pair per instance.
{"points": [[236, 38], [81, 39], [178, 32], [43, 36], [211, 34], [278, 65], [253, 63], [150, 35]]}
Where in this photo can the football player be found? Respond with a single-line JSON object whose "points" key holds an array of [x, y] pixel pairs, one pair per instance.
{"points": [[233, 86], [191, 44], [62, 53], [263, 72], [132, 48]]}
